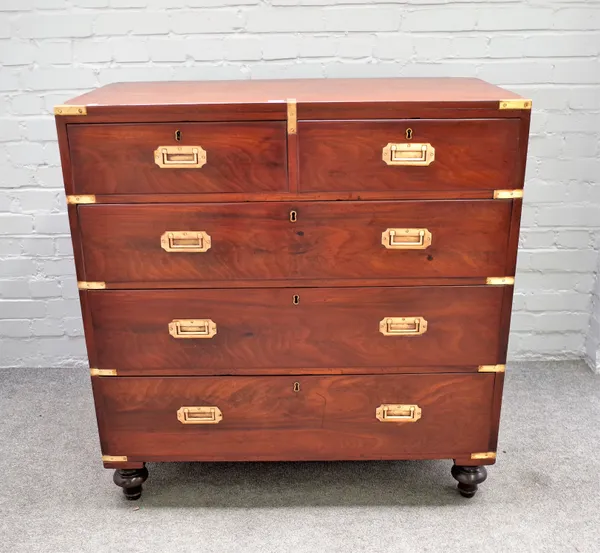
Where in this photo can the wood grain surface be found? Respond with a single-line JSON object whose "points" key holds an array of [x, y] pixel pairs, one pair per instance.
{"points": [[119, 159], [347, 155], [262, 328], [328, 418], [329, 240]]}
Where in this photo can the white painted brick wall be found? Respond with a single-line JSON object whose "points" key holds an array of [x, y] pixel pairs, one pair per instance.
{"points": [[545, 49]]}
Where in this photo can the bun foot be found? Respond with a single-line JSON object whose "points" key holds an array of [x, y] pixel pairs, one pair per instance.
{"points": [[469, 478], [131, 481]]}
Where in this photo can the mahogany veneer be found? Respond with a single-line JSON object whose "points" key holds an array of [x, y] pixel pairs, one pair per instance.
{"points": [[296, 270]]}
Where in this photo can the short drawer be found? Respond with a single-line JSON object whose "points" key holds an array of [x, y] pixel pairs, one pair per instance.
{"points": [[200, 244], [174, 158], [378, 155], [222, 331], [295, 418]]}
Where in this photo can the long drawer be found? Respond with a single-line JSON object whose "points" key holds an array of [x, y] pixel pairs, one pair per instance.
{"points": [[411, 154], [154, 158], [281, 240], [295, 418], [219, 331]]}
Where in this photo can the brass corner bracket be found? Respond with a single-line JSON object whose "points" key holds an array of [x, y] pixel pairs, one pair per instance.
{"points": [[103, 372], [114, 458], [517, 103], [81, 199], [500, 281], [70, 110], [485, 455], [83, 285], [292, 116], [491, 368], [508, 194]]}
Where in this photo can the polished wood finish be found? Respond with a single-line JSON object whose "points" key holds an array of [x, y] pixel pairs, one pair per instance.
{"points": [[119, 159], [265, 419], [330, 327], [467, 155], [296, 380], [257, 241]]}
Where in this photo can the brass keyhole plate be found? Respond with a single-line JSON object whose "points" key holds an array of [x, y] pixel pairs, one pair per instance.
{"points": [[296, 386], [293, 216], [295, 299], [178, 135], [409, 133]]}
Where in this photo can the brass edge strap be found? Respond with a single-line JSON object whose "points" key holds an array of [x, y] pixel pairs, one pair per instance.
{"points": [[103, 372], [508, 194], [81, 199], [83, 285], [500, 281], [485, 455], [517, 103], [292, 116], [114, 458], [491, 368], [70, 110]]}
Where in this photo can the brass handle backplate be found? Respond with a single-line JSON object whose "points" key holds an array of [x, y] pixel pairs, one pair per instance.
{"points": [[185, 241], [403, 326], [409, 153], [192, 328], [389, 412], [406, 238], [199, 415], [180, 157]]}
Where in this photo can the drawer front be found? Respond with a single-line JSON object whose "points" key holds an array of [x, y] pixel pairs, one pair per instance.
{"points": [[350, 240], [145, 158], [294, 418], [459, 154], [217, 331]]}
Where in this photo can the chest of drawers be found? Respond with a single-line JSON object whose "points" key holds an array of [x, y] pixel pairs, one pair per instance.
{"points": [[296, 270]]}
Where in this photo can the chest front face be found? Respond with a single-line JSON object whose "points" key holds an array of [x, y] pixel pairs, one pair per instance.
{"points": [[306, 271]]}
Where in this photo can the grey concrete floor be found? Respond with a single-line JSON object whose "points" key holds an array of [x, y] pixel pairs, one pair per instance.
{"points": [[542, 495]]}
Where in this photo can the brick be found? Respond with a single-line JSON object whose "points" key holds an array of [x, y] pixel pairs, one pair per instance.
{"points": [[16, 288], [10, 130], [577, 260], [281, 47], [534, 239], [44, 288], [523, 71], [68, 286], [127, 3], [54, 26], [47, 327], [550, 322], [207, 22], [91, 3], [521, 18], [506, 46], [282, 20], [88, 51], [15, 328], [54, 52], [24, 309], [9, 247], [316, 47], [579, 18], [63, 246], [15, 224], [584, 98], [577, 71], [51, 4], [204, 49], [167, 49], [578, 239], [38, 246], [128, 50], [57, 267], [373, 18], [439, 19], [4, 27], [39, 129], [60, 308], [16, 267], [561, 45], [73, 326], [17, 5], [394, 47], [555, 282], [242, 48], [357, 47], [55, 78], [16, 52], [53, 223], [558, 301]]}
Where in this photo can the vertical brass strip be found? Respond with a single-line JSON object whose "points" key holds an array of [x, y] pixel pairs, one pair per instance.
{"points": [[103, 372], [114, 458], [485, 455], [491, 368], [292, 116]]}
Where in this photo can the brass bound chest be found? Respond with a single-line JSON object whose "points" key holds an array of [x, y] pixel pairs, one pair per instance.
{"points": [[296, 270]]}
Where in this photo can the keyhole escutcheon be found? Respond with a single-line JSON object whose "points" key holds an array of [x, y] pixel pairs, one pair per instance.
{"points": [[178, 135], [293, 216], [409, 133], [296, 386], [295, 299]]}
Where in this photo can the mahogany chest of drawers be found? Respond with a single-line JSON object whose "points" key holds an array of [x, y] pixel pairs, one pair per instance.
{"points": [[296, 270]]}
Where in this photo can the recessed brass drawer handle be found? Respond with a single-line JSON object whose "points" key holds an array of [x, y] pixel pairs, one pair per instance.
{"points": [[199, 415], [408, 153], [180, 157], [185, 241], [192, 328], [403, 326], [406, 238], [398, 413]]}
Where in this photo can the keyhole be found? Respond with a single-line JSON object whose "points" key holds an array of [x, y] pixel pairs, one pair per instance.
{"points": [[409, 133], [296, 299], [178, 135], [296, 386], [293, 216]]}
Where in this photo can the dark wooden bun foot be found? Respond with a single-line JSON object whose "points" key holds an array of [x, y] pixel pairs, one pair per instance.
{"points": [[469, 479], [131, 481]]}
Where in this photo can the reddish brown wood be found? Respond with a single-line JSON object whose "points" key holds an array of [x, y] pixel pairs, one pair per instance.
{"points": [[496, 408], [257, 241], [119, 159], [330, 417], [347, 155], [328, 328]]}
